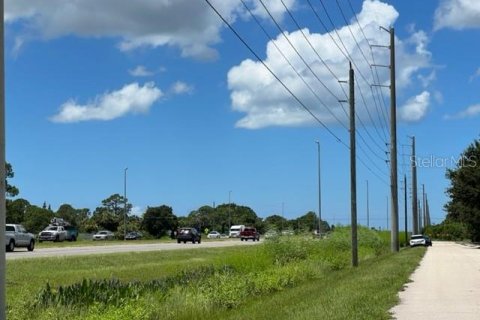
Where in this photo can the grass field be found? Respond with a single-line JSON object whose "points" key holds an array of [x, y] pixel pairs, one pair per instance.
{"points": [[285, 278]]}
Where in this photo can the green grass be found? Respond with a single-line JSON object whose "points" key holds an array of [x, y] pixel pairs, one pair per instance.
{"points": [[291, 277], [366, 292]]}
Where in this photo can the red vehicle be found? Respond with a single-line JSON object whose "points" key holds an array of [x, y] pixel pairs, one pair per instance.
{"points": [[249, 233]]}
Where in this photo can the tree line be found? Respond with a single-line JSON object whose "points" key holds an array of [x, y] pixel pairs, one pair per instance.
{"points": [[114, 214]]}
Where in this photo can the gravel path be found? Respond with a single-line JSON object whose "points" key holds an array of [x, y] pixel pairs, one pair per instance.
{"points": [[446, 285]]}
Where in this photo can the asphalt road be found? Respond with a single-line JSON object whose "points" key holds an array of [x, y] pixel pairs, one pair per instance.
{"points": [[22, 253], [446, 285]]}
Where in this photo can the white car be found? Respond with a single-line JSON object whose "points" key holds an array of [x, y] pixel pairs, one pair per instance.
{"points": [[418, 240], [103, 235], [214, 235]]}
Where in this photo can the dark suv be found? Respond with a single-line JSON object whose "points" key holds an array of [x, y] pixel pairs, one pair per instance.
{"points": [[188, 234]]}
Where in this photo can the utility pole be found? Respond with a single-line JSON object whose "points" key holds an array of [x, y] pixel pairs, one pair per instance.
{"points": [[393, 146], [428, 213], [420, 227], [353, 168], [319, 227], [2, 167], [405, 206], [414, 190], [125, 204], [423, 206], [368, 210], [388, 212]]}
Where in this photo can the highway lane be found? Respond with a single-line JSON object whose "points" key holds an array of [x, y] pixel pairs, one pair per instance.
{"points": [[21, 253]]}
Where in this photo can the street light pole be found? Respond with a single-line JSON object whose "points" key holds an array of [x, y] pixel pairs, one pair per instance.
{"points": [[229, 211], [125, 204], [319, 227]]}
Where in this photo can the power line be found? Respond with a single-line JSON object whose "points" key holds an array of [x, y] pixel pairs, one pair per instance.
{"points": [[288, 89], [346, 53], [335, 76], [291, 65], [273, 73]]}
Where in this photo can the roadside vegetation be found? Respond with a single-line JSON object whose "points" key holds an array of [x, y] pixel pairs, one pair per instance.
{"points": [[268, 280]]}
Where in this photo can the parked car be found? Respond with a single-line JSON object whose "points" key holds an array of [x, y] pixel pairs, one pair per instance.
{"points": [[249, 233], [188, 234], [134, 235], [420, 240], [53, 233], [17, 236], [103, 235], [214, 235]]}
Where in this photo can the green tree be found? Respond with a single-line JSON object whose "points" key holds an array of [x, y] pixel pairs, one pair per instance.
{"points": [[36, 219], [159, 221], [16, 210], [76, 217], [276, 222], [11, 191], [464, 191], [110, 215]]}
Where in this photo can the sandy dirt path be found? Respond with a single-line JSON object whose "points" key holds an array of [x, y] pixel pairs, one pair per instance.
{"points": [[446, 285]]}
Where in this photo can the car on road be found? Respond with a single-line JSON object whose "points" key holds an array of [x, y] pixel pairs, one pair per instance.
{"points": [[249, 233], [17, 236], [53, 233], [214, 235], [188, 234], [134, 235], [103, 235], [420, 240]]}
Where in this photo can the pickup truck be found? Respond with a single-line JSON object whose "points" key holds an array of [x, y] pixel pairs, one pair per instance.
{"points": [[52, 233], [249, 233], [17, 236]]}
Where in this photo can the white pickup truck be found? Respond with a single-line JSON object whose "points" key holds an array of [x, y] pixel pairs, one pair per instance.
{"points": [[17, 236], [53, 233]]}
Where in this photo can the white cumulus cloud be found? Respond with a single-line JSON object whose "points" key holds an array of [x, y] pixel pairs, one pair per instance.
{"points": [[264, 102], [457, 14], [140, 71], [470, 112], [189, 25], [180, 87], [132, 98], [416, 108]]}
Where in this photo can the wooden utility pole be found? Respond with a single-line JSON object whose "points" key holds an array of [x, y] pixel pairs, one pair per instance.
{"points": [[393, 145], [3, 186], [353, 168], [368, 209], [405, 206], [414, 191]]}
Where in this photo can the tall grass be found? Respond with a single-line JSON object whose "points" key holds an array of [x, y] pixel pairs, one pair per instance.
{"points": [[179, 285]]}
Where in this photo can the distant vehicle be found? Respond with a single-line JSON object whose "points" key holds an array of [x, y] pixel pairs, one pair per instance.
{"points": [[214, 235], [103, 235], [134, 235], [420, 240], [52, 233], [17, 236], [235, 231], [58, 230], [188, 234], [249, 233]]}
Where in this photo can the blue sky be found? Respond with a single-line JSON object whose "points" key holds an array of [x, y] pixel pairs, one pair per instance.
{"points": [[167, 90]]}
